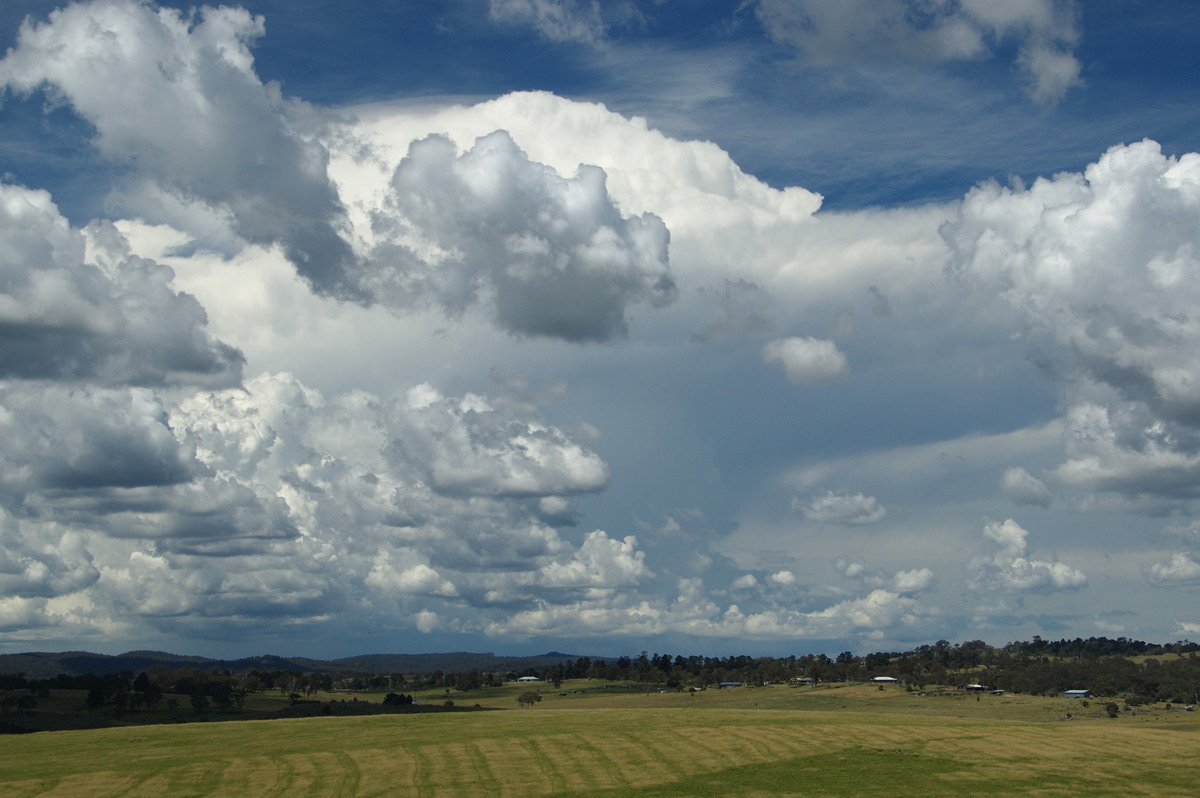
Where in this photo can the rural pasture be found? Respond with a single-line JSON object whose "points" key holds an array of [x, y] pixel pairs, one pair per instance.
{"points": [[590, 740]]}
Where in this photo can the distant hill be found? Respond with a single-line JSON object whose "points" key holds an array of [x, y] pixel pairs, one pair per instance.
{"points": [[46, 665]]}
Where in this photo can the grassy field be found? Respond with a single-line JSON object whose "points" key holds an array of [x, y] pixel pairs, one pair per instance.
{"points": [[589, 740]]}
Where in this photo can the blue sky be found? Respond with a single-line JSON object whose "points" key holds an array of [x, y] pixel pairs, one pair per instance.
{"points": [[508, 325]]}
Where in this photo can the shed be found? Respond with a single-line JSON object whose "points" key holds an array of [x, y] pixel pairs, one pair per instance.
{"points": [[884, 680], [528, 679], [1078, 694]]}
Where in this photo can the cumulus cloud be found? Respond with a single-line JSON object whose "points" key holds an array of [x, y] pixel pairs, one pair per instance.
{"points": [[694, 613], [174, 96], [42, 560], [902, 582], [782, 578], [1008, 570], [910, 31], [600, 562], [1099, 266], [841, 507], [277, 501], [64, 438], [745, 582], [467, 447], [1185, 628], [807, 360], [553, 256], [1180, 569], [76, 305], [1024, 488]]}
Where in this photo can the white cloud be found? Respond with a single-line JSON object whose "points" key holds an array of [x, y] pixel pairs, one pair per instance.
{"points": [[745, 582], [1097, 265], [842, 507], [903, 582], [469, 448], [1049, 71], [1024, 488], [808, 360], [693, 613], [76, 305], [557, 20], [600, 562], [783, 578], [175, 96], [1185, 628], [1180, 569], [553, 256], [912, 581], [1009, 570], [915, 32]]}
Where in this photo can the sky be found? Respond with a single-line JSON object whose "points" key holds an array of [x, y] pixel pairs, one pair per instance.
{"points": [[766, 327]]}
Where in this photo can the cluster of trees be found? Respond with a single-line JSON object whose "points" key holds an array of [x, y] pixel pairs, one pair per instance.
{"points": [[397, 700]]}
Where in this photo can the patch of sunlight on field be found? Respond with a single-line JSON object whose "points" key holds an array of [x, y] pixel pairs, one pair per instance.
{"points": [[609, 752]]}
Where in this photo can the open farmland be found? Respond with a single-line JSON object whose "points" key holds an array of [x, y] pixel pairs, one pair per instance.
{"points": [[606, 741]]}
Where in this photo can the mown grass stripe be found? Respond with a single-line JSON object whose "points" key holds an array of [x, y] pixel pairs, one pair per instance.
{"points": [[422, 770], [655, 758], [350, 776], [552, 777], [594, 768]]}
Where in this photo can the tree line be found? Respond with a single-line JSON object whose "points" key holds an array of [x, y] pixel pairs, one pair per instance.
{"points": [[1141, 672]]}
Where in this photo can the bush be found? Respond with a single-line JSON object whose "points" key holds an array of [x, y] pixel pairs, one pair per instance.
{"points": [[1112, 709]]}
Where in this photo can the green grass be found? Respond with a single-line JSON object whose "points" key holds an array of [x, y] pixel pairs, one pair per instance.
{"points": [[852, 740]]}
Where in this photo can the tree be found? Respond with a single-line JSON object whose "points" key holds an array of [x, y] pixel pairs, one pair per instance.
{"points": [[199, 702], [141, 683], [26, 704], [528, 699]]}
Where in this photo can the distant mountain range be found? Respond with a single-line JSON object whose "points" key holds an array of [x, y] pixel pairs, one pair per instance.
{"points": [[43, 665]]}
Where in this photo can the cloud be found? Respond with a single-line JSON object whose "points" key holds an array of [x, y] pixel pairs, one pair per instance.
{"points": [[782, 578], [600, 562], [745, 582], [914, 32], [42, 560], [1185, 628], [693, 613], [552, 256], [1099, 266], [274, 500], [466, 447], [1009, 571], [902, 582], [1180, 569], [174, 97], [61, 438], [556, 20], [842, 507], [76, 305], [1024, 488], [742, 308], [807, 360]]}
